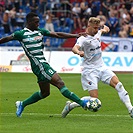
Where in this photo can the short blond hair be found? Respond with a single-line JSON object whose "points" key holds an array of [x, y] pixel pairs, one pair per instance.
{"points": [[94, 20]]}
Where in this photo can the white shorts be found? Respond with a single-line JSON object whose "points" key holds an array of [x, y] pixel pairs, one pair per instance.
{"points": [[91, 77]]}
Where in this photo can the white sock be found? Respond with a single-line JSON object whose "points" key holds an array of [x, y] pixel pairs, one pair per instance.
{"points": [[123, 94], [75, 105]]}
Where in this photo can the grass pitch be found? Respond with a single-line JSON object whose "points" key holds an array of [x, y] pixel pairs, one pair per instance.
{"points": [[45, 116]]}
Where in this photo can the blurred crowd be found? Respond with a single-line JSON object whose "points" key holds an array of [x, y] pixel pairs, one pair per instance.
{"points": [[73, 14]]}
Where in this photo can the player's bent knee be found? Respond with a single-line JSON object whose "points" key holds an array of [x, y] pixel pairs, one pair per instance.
{"points": [[60, 84], [44, 95]]}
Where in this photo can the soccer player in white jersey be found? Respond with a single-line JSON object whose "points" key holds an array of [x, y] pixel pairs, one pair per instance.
{"points": [[94, 70], [31, 38]]}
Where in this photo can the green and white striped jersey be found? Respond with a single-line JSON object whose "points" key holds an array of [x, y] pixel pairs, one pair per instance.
{"points": [[32, 43]]}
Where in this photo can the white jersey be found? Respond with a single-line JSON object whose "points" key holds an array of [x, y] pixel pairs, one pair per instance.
{"points": [[91, 45]]}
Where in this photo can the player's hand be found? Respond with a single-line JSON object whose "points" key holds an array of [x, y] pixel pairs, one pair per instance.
{"points": [[81, 53], [105, 29]]}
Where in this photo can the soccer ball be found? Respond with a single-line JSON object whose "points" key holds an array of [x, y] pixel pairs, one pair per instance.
{"points": [[94, 104]]}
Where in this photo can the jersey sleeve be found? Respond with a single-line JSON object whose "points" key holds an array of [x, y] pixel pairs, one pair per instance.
{"points": [[17, 35], [44, 32], [80, 41], [98, 35]]}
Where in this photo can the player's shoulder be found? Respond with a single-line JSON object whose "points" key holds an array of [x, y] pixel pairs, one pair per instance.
{"points": [[43, 31], [82, 37], [81, 40], [19, 32]]}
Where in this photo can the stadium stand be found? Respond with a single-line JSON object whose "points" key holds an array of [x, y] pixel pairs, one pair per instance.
{"points": [[124, 15]]}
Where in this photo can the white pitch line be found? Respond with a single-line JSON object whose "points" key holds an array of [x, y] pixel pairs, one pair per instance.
{"points": [[80, 115]]}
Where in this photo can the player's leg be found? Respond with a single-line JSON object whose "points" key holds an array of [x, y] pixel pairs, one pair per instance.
{"points": [[71, 105], [92, 93], [35, 97], [123, 94], [44, 92], [57, 81], [110, 78], [88, 83], [43, 81]]}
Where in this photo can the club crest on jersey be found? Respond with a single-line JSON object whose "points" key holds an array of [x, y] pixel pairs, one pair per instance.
{"points": [[98, 39], [90, 83]]}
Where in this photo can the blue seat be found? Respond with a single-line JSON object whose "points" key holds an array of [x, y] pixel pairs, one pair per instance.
{"points": [[66, 29], [58, 29], [27, 9], [55, 23], [69, 23], [17, 28], [2, 30], [17, 43], [10, 43], [42, 23], [1, 35]]}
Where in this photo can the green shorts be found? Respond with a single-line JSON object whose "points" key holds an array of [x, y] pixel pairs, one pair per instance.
{"points": [[43, 71]]}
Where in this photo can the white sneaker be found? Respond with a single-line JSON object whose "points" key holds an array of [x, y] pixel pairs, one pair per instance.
{"points": [[131, 113], [66, 109]]}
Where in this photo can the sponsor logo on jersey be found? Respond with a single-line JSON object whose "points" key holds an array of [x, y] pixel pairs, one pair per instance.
{"points": [[92, 49]]}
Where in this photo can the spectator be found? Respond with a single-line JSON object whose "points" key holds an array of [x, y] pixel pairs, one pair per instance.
{"points": [[105, 7], [55, 10], [102, 18], [69, 22], [113, 24], [62, 20], [42, 6], [74, 2], [113, 9], [2, 2], [87, 13], [12, 14], [131, 13], [1, 14], [96, 4], [125, 18], [34, 6], [20, 18], [9, 5], [17, 5], [83, 7], [66, 6], [6, 22], [49, 25], [131, 29], [125, 30], [76, 18]]}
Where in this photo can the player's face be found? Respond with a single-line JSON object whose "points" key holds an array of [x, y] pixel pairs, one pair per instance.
{"points": [[93, 29], [34, 23]]}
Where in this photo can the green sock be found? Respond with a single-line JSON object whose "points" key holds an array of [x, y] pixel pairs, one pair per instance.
{"points": [[32, 99], [70, 95]]}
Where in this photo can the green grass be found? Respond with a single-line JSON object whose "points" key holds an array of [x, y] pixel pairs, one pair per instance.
{"points": [[45, 116]]}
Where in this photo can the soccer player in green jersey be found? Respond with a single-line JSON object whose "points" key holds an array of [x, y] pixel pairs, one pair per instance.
{"points": [[31, 38]]}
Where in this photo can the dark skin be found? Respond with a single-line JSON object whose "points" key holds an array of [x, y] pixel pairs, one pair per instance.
{"points": [[56, 80]]}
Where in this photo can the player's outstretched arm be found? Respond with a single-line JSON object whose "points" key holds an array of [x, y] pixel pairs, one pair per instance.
{"points": [[63, 35], [105, 29], [6, 39], [66, 35]]}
